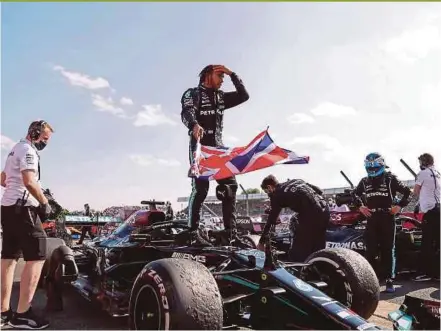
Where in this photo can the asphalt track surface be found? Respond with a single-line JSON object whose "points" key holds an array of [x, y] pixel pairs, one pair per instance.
{"points": [[78, 314]]}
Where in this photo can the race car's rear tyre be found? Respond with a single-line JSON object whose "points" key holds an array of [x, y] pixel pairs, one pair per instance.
{"points": [[350, 278], [175, 294]]}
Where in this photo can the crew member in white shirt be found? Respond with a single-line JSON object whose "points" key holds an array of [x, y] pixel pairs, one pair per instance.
{"points": [[427, 190], [23, 208]]}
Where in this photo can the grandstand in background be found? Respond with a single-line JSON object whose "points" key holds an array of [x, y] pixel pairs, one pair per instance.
{"points": [[257, 203]]}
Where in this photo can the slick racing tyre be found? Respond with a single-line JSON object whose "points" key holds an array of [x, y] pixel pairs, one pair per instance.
{"points": [[350, 278], [175, 294]]}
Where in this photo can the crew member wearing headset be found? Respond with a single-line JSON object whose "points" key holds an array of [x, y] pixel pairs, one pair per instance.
{"points": [[381, 187], [23, 208], [427, 190]]}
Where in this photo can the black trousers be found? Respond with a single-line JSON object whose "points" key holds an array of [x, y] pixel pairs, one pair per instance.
{"points": [[199, 191], [380, 240], [430, 244], [197, 197], [310, 234]]}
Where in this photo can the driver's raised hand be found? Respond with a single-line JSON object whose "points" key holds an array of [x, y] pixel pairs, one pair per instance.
{"points": [[198, 131], [222, 69]]}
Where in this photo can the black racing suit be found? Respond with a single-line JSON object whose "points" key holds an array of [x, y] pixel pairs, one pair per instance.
{"points": [[206, 107], [379, 194], [312, 216]]}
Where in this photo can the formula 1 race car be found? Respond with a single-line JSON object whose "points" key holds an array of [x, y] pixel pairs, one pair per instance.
{"points": [[145, 270], [346, 229]]}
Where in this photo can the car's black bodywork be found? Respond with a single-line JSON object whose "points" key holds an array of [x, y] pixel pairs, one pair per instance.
{"points": [[257, 291]]}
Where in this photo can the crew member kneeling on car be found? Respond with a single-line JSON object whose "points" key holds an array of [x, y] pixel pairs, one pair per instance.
{"points": [[312, 214], [23, 208], [380, 188], [427, 190]]}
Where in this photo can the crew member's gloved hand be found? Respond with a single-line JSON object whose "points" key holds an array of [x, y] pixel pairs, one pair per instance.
{"points": [[44, 210]]}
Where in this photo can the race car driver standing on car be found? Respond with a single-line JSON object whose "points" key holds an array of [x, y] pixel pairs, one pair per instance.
{"points": [[202, 113], [427, 190], [23, 208], [380, 188], [312, 215]]}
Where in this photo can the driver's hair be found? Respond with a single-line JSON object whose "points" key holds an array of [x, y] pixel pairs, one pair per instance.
{"points": [[207, 70], [269, 180]]}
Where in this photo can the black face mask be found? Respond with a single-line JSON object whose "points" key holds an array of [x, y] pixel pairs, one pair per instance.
{"points": [[40, 145]]}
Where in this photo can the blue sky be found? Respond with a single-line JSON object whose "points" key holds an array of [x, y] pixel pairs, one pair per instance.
{"points": [[333, 81]]}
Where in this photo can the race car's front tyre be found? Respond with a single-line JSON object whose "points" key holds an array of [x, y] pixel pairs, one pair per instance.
{"points": [[350, 278], [175, 294]]}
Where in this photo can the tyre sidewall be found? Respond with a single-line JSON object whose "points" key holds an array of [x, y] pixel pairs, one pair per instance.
{"points": [[155, 277], [342, 273]]}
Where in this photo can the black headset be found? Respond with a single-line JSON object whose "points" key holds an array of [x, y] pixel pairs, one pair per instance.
{"points": [[35, 129]]}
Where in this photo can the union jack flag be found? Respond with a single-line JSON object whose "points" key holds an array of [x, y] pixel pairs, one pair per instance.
{"points": [[214, 163]]}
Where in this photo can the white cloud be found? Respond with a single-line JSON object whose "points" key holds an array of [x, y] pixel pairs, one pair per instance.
{"points": [[7, 143], [414, 44], [333, 110], [324, 141], [413, 141], [82, 80], [298, 118], [169, 162], [146, 160], [106, 105], [230, 138], [430, 98], [152, 115], [329, 148], [126, 101]]}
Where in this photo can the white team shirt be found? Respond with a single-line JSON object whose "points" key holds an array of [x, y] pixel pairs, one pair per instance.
{"points": [[430, 189], [23, 156]]}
